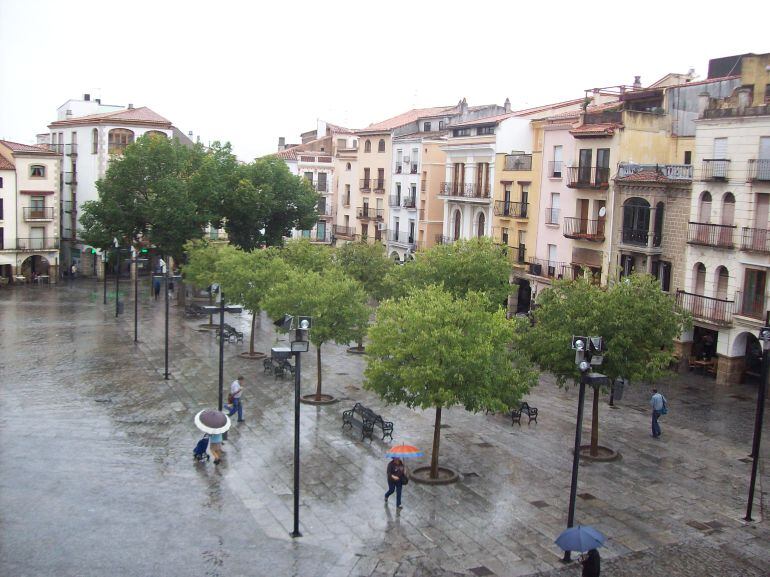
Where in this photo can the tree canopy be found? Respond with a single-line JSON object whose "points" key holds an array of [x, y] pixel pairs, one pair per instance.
{"points": [[463, 266], [434, 349], [367, 263], [303, 255]]}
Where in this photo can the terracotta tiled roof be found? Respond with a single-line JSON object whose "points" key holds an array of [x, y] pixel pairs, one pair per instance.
{"points": [[405, 118], [594, 130], [6, 164], [288, 154], [338, 129], [141, 115], [18, 147]]}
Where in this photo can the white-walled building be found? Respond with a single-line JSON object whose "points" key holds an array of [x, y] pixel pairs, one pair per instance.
{"points": [[29, 211], [89, 133]]}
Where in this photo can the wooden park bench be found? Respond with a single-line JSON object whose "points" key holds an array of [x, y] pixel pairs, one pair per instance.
{"points": [[366, 419], [525, 409]]}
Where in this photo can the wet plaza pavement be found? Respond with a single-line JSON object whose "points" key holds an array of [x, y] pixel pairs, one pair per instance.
{"points": [[96, 473]]}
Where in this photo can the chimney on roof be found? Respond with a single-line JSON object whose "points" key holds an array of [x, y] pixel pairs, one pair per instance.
{"points": [[507, 105], [86, 97], [130, 106], [463, 106], [281, 143], [637, 82], [704, 99]]}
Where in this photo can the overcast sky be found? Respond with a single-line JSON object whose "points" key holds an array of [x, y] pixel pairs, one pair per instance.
{"points": [[249, 72]]}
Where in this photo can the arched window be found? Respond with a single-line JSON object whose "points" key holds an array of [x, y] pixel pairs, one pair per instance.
{"points": [[728, 209], [155, 133], [722, 277], [457, 226], [118, 139], [636, 221], [704, 207], [347, 166], [368, 146], [699, 278], [481, 225], [94, 141], [381, 145], [37, 171]]}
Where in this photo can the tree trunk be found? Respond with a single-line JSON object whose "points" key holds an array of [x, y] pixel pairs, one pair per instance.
{"points": [[436, 441], [595, 424], [251, 340], [318, 372]]}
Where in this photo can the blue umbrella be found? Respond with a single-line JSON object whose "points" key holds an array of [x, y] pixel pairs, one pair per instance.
{"points": [[581, 538]]}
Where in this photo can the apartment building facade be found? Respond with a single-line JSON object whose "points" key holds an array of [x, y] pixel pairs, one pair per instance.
{"points": [[29, 212]]}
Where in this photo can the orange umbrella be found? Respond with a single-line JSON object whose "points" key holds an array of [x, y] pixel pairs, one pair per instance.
{"points": [[404, 452]]}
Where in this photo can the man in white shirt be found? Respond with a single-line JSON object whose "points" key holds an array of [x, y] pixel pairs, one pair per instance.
{"points": [[236, 389], [657, 402]]}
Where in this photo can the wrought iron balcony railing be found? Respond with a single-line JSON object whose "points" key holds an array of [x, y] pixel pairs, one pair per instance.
{"points": [[554, 168], [584, 229], [755, 240], [507, 208], [715, 169], [394, 200], [552, 215], [751, 304], [588, 177], [409, 202], [344, 231], [71, 149], [707, 234], [717, 311], [546, 268], [366, 213], [640, 236], [366, 184], [464, 190], [670, 171], [37, 243], [759, 170], [378, 184], [38, 213]]}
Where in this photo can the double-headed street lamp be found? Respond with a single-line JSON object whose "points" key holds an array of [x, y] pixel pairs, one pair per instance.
{"points": [[764, 337], [300, 344], [588, 353]]}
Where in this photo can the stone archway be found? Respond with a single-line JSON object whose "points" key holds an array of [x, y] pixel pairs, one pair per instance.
{"points": [[36, 264]]}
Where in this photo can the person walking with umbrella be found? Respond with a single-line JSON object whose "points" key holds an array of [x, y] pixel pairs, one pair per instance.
{"points": [[591, 562], [585, 539], [214, 423], [396, 471]]}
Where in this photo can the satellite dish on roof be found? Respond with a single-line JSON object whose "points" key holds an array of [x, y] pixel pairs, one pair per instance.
{"points": [[602, 212]]}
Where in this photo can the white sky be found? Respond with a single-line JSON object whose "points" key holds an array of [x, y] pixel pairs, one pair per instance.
{"points": [[249, 72]]}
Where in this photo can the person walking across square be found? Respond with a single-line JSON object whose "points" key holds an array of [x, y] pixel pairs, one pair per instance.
{"points": [[396, 480], [658, 404], [236, 390]]}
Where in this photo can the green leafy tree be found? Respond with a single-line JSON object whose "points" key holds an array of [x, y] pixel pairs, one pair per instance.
{"points": [[637, 320], [433, 349], [336, 302], [201, 267], [303, 255], [266, 203], [463, 266], [247, 277]]}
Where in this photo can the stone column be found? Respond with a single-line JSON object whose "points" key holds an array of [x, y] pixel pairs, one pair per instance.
{"points": [[683, 350], [730, 370]]}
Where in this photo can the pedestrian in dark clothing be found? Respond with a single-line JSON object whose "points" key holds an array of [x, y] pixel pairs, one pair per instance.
{"points": [[591, 563], [396, 478], [156, 287]]}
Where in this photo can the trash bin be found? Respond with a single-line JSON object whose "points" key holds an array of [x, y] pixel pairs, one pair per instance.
{"points": [[617, 388]]}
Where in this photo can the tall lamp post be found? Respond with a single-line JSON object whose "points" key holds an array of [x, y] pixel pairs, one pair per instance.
{"points": [[764, 337], [104, 273], [221, 308], [588, 353], [165, 278], [300, 344]]}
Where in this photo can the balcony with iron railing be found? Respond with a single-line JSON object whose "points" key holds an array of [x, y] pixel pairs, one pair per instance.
{"points": [[709, 309], [755, 240], [402, 238], [751, 304], [325, 210], [71, 149], [346, 200], [380, 234], [518, 162], [588, 177], [584, 229], [707, 234], [38, 213], [669, 171], [509, 209], [554, 168], [518, 254], [409, 202], [344, 231], [67, 206], [546, 268], [552, 215], [365, 184], [70, 178], [36, 244], [715, 169], [394, 200], [758, 170], [413, 168], [399, 168], [464, 190], [324, 236], [641, 237], [367, 213], [378, 184]]}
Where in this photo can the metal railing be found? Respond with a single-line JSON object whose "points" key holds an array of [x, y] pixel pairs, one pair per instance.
{"points": [[36, 243], [380, 234], [588, 177], [399, 168], [344, 231], [317, 236], [755, 239], [546, 268], [584, 229], [518, 162], [394, 200], [71, 149], [325, 210], [718, 311], [640, 236], [70, 178], [706, 234], [518, 254], [715, 169], [555, 168], [751, 305], [758, 169], [409, 202], [366, 184], [552, 215], [38, 213], [670, 171], [378, 184], [413, 168], [511, 209], [364, 212], [464, 190]]}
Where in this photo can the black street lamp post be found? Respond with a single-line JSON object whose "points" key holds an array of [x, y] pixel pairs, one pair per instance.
{"points": [[764, 337], [135, 263], [117, 283], [104, 274], [165, 277]]}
